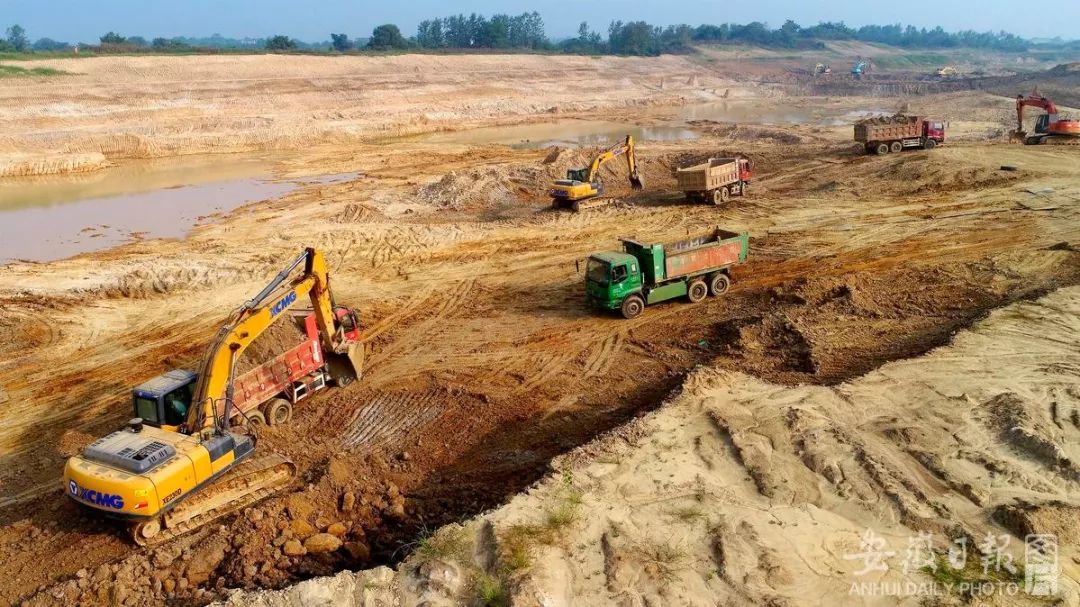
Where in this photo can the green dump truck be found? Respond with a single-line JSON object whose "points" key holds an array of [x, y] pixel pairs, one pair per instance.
{"points": [[644, 274]]}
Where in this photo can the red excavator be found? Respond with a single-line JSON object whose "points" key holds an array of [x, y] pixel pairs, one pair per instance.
{"points": [[1046, 125]]}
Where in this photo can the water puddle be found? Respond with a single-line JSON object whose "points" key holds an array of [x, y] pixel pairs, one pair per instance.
{"points": [[563, 133], [756, 112], [53, 217]]}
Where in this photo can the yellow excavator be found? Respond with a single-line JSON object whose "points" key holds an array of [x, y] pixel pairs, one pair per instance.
{"points": [[166, 479], [584, 183]]}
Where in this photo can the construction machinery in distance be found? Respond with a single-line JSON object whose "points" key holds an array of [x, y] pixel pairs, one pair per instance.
{"points": [[946, 73], [883, 134], [860, 68], [715, 180], [822, 69], [1047, 125], [584, 183], [181, 462]]}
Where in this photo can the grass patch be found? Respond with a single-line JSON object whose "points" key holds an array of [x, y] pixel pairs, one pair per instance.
{"points": [[448, 543], [661, 561], [491, 591], [688, 514], [13, 71]]}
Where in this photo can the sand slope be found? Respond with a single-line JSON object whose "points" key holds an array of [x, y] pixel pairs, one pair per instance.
{"points": [[743, 492]]}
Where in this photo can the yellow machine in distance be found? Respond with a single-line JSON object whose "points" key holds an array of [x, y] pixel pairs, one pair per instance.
{"points": [[166, 480], [584, 183]]}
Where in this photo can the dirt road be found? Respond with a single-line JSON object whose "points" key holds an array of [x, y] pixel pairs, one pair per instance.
{"points": [[482, 362]]}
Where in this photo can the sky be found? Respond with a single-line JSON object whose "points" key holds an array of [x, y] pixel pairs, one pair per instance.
{"points": [[313, 20]]}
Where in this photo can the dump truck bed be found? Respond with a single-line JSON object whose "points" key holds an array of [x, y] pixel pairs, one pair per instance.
{"points": [[270, 378], [707, 176], [712, 251], [717, 249], [890, 128]]}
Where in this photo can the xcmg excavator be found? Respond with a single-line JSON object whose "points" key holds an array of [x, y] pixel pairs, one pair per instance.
{"points": [[584, 183], [168, 476], [1046, 125]]}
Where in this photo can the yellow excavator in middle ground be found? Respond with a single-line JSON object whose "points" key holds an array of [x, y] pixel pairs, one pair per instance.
{"points": [[166, 476], [584, 183]]}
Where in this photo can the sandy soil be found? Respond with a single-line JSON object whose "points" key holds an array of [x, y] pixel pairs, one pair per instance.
{"points": [[740, 491], [140, 107], [482, 363]]}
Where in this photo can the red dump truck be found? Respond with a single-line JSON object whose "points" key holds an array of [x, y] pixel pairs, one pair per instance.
{"points": [[885, 134], [715, 180], [265, 394]]}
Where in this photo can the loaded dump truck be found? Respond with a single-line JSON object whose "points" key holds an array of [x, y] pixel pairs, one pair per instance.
{"points": [[644, 274], [715, 180], [885, 134], [264, 395]]}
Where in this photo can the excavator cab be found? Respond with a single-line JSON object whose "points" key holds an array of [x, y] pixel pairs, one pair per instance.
{"points": [[579, 175], [164, 401]]}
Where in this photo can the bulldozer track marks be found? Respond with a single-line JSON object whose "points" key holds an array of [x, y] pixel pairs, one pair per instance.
{"points": [[601, 357], [386, 420]]}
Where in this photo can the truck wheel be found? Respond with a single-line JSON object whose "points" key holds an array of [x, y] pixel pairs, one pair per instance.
{"points": [[882, 149], [278, 412], [697, 291], [930, 144], [896, 147], [255, 418], [632, 306], [719, 285]]}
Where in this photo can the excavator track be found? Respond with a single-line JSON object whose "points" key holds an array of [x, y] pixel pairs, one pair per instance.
{"points": [[246, 484], [587, 204]]}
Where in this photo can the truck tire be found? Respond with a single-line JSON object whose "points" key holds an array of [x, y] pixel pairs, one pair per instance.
{"points": [[930, 144], [720, 196], [632, 307], [896, 147], [882, 149], [719, 284], [278, 412], [255, 418], [697, 291]]}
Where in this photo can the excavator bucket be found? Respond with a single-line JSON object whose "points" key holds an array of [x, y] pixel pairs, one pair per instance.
{"points": [[636, 182], [346, 367]]}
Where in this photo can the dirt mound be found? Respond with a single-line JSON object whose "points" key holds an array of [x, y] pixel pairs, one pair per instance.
{"points": [[919, 174], [894, 119], [471, 189], [749, 133], [284, 335]]}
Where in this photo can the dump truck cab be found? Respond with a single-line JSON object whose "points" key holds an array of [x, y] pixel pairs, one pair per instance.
{"points": [[164, 401], [610, 277]]}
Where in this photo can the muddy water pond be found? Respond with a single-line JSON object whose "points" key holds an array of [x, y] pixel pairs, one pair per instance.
{"points": [[53, 217], [568, 132], [562, 132]]}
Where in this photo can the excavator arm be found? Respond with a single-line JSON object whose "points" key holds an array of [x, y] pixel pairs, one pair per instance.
{"points": [[620, 149], [214, 386], [1032, 100]]}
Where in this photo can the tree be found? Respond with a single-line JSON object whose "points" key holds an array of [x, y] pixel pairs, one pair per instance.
{"points": [[137, 41], [429, 34], [113, 38], [340, 42], [280, 42], [48, 44], [16, 37], [387, 36]]}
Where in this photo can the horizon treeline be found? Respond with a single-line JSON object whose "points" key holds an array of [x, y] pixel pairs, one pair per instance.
{"points": [[526, 32]]}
